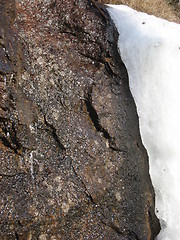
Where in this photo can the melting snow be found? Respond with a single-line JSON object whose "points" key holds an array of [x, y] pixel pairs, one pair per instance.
{"points": [[150, 49]]}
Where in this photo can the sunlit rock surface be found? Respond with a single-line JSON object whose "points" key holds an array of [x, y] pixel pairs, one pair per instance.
{"points": [[72, 162]]}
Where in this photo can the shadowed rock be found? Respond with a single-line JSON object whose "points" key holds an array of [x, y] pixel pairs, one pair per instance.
{"points": [[72, 162]]}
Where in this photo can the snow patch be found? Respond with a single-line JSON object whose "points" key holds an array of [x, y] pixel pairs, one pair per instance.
{"points": [[150, 48]]}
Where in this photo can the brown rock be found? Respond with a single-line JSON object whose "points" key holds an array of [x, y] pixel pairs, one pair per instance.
{"points": [[72, 162]]}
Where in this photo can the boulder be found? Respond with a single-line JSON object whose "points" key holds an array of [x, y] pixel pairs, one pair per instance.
{"points": [[72, 162]]}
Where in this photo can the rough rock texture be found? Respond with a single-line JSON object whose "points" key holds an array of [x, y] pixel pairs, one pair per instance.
{"points": [[72, 162]]}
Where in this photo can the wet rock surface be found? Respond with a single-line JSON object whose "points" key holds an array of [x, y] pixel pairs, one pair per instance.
{"points": [[72, 162]]}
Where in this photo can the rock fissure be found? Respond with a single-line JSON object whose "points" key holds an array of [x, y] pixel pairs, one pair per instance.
{"points": [[84, 186], [120, 233], [93, 114], [16, 236], [96, 5], [52, 130], [93, 58], [8, 135], [8, 175], [96, 122]]}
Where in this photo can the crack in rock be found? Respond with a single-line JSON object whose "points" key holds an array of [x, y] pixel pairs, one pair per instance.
{"points": [[52, 130], [84, 185], [93, 115], [8, 135]]}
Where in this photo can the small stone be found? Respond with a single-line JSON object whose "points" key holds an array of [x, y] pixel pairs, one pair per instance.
{"points": [[118, 196], [43, 237]]}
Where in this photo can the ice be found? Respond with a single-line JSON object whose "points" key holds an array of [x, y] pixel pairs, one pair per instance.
{"points": [[150, 49]]}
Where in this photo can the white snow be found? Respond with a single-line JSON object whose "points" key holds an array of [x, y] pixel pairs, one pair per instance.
{"points": [[150, 49]]}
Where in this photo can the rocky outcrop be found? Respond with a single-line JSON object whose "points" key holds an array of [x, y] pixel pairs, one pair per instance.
{"points": [[72, 162]]}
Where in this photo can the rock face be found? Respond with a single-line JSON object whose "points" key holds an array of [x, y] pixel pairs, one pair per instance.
{"points": [[72, 162]]}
